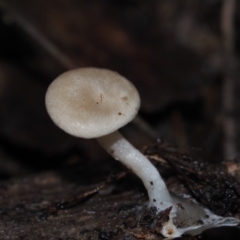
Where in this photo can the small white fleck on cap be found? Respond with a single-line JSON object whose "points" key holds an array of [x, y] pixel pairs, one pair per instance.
{"points": [[91, 102]]}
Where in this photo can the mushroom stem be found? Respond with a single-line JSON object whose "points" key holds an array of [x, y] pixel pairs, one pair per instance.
{"points": [[117, 146]]}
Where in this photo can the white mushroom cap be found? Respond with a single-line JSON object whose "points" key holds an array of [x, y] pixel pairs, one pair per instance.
{"points": [[91, 102]]}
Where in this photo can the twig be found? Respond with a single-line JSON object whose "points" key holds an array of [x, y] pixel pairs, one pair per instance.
{"points": [[39, 37], [145, 127], [43, 41], [179, 131], [228, 87], [80, 198]]}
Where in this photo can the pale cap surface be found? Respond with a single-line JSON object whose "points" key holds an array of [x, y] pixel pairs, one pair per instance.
{"points": [[91, 102]]}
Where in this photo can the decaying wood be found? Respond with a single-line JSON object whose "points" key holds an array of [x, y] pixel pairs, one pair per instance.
{"points": [[39, 207], [51, 205], [217, 186]]}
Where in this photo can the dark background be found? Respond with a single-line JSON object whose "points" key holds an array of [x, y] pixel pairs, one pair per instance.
{"points": [[173, 51], [178, 53]]}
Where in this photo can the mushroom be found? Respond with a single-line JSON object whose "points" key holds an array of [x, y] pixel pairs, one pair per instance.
{"points": [[95, 103]]}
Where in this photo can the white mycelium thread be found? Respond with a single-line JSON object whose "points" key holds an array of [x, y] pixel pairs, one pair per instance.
{"points": [[189, 217]]}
